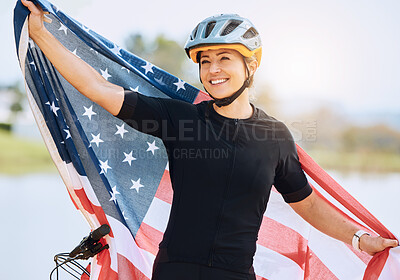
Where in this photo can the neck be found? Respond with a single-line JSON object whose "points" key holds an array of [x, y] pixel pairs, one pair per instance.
{"points": [[238, 109]]}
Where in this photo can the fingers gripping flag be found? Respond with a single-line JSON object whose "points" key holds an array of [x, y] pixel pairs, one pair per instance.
{"points": [[119, 176]]}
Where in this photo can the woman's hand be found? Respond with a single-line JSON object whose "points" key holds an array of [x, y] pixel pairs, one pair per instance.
{"points": [[36, 18], [375, 244]]}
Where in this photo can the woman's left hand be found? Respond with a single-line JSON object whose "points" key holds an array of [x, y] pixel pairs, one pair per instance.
{"points": [[375, 244]]}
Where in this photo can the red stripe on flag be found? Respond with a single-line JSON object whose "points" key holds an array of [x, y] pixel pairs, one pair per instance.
{"points": [[104, 261], [375, 266], [73, 200], [164, 191], [92, 209], [87, 205], [292, 246], [127, 271], [201, 96], [148, 238]]}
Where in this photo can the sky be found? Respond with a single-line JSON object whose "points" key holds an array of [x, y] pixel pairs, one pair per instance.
{"points": [[342, 53]]}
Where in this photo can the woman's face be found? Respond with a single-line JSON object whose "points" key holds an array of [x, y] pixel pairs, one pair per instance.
{"points": [[222, 71]]}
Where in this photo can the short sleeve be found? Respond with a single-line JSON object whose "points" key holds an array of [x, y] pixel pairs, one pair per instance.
{"points": [[290, 179], [149, 115]]}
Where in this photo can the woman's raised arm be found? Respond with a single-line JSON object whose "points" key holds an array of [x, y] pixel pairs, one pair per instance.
{"points": [[76, 71]]}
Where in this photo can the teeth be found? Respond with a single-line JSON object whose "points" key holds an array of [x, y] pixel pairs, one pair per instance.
{"points": [[218, 81]]}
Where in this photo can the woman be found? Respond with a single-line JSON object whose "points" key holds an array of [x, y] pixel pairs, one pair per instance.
{"points": [[214, 220]]}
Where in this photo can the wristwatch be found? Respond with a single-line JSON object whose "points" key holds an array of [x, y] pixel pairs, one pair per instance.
{"points": [[356, 239]]}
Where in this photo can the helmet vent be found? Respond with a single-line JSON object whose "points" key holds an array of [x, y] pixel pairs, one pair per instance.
{"points": [[195, 32], [209, 28], [251, 33], [230, 27]]}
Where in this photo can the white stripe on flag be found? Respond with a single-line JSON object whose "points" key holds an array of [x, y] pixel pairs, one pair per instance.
{"points": [[158, 214], [273, 266], [79, 182], [336, 256], [281, 212], [127, 247]]}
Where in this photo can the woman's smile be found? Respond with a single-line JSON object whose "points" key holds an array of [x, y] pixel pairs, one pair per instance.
{"points": [[218, 81], [222, 71]]}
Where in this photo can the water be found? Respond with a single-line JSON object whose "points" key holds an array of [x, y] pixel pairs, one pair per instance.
{"points": [[39, 220]]}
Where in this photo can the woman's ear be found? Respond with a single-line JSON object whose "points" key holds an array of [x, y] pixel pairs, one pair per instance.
{"points": [[253, 66]]}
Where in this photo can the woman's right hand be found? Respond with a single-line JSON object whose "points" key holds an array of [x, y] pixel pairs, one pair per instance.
{"points": [[76, 71], [36, 18]]}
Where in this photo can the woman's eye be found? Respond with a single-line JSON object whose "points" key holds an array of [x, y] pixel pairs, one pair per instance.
{"points": [[204, 62], [224, 58]]}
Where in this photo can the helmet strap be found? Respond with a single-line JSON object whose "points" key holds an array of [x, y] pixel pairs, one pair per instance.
{"points": [[228, 100]]}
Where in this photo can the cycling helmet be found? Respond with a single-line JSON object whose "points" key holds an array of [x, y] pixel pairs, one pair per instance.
{"points": [[229, 30]]}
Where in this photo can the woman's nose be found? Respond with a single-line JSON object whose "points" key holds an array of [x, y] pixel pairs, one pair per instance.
{"points": [[215, 68]]}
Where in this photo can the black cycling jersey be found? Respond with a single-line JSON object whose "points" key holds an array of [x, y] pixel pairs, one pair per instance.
{"points": [[222, 171]]}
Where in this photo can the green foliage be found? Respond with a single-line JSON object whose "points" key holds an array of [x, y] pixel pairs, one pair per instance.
{"points": [[161, 51], [19, 156], [17, 99], [366, 139]]}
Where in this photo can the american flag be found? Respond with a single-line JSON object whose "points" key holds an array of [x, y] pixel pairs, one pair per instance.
{"points": [[119, 176]]}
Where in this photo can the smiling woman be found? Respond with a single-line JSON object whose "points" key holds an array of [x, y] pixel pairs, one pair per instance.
{"points": [[218, 203]]}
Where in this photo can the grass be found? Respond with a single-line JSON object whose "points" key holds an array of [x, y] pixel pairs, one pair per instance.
{"points": [[374, 161], [19, 156]]}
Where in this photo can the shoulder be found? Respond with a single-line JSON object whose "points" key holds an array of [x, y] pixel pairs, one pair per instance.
{"points": [[278, 128]]}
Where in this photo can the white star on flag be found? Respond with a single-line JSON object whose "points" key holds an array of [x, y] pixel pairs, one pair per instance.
{"points": [[94, 50], [68, 134], [116, 49], [136, 89], [63, 28], [152, 147], [74, 52], [105, 74], [85, 28], [148, 67], [136, 185], [104, 166], [96, 139], [160, 81], [121, 130], [89, 112], [123, 214], [33, 63], [113, 193], [180, 85], [123, 68], [129, 158], [54, 108]]}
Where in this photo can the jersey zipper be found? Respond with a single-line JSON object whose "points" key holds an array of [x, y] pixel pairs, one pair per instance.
{"points": [[210, 260]]}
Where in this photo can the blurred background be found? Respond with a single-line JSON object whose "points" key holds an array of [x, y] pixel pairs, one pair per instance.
{"points": [[330, 71]]}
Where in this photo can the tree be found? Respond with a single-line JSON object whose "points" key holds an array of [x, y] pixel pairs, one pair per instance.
{"points": [[17, 99], [162, 52]]}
